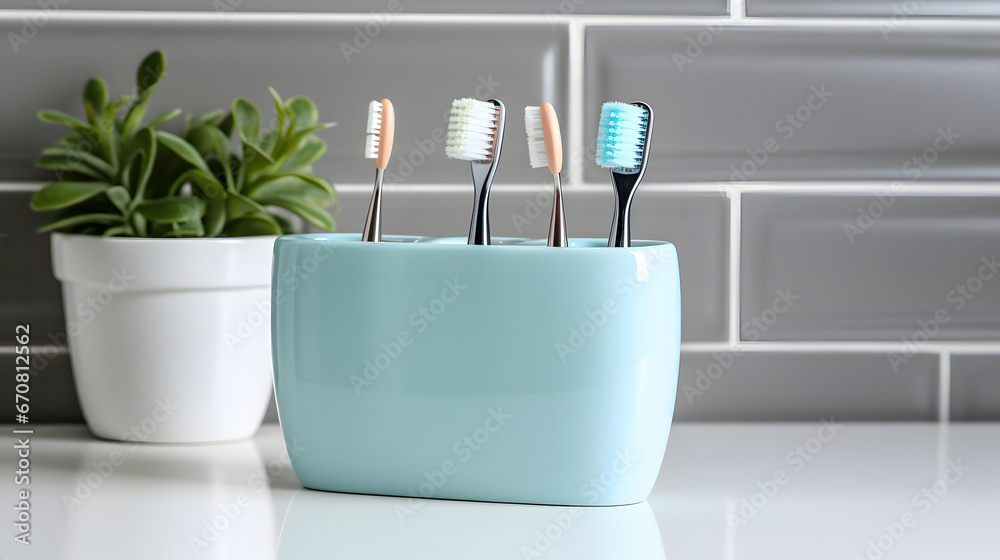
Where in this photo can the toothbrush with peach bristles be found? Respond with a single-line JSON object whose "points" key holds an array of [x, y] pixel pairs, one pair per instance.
{"points": [[381, 127], [545, 148]]}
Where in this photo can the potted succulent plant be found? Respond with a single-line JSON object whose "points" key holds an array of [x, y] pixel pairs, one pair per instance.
{"points": [[163, 248]]}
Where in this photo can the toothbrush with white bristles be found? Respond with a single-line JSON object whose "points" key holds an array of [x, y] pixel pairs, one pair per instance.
{"points": [[475, 134], [381, 127], [545, 149], [623, 145]]}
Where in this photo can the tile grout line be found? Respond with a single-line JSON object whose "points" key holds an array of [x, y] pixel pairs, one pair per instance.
{"points": [[836, 347], [737, 17], [47, 349], [737, 10], [791, 188], [944, 387], [735, 258], [842, 347]]}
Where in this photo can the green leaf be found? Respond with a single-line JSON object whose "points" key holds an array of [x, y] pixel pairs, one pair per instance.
{"points": [[96, 91], [312, 149], [256, 157], [291, 144], [301, 186], [207, 139], [238, 206], [215, 215], [81, 155], [139, 224], [205, 181], [312, 213], [130, 175], [151, 72], [58, 117], [304, 113], [123, 230], [164, 117], [206, 117], [81, 219], [62, 194], [119, 196], [95, 97], [106, 133], [190, 228], [241, 172], [269, 141], [146, 141], [63, 163], [247, 119], [111, 109], [148, 78], [317, 181], [185, 151], [253, 225], [73, 141], [203, 118], [284, 223], [226, 125], [171, 209], [279, 108]]}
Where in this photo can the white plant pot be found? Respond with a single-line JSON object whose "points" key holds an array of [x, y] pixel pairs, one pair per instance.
{"points": [[170, 339]]}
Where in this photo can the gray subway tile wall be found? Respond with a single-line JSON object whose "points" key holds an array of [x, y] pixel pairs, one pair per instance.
{"points": [[550, 8], [802, 103], [895, 12], [826, 315], [414, 64], [29, 294], [975, 385], [924, 265], [752, 386], [53, 391]]}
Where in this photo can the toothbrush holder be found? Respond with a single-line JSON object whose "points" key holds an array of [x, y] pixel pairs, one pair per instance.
{"points": [[513, 372]]}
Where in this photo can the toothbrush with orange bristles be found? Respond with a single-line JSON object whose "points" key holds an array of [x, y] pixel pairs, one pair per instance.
{"points": [[381, 126], [545, 148]]}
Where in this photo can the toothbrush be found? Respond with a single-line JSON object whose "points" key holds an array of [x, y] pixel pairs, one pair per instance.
{"points": [[545, 148], [623, 145], [381, 127], [475, 133]]}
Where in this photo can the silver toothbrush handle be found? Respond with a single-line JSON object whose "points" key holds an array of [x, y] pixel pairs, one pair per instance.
{"points": [[482, 179], [557, 223], [373, 224]]}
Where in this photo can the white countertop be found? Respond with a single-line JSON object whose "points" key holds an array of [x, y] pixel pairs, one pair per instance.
{"points": [[726, 491]]}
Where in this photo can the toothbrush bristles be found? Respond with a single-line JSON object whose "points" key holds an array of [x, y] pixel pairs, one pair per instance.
{"points": [[472, 130], [374, 130], [536, 137], [621, 135]]}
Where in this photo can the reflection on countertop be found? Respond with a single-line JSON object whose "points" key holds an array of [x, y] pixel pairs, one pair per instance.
{"points": [[823, 490]]}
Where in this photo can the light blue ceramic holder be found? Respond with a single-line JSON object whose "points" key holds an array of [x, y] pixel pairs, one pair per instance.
{"points": [[424, 367]]}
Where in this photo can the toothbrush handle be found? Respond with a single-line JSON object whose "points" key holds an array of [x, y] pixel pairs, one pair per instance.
{"points": [[373, 224], [482, 178], [557, 223], [621, 231], [625, 185]]}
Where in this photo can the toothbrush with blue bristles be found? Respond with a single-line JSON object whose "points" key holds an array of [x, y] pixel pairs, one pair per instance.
{"points": [[623, 146]]}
